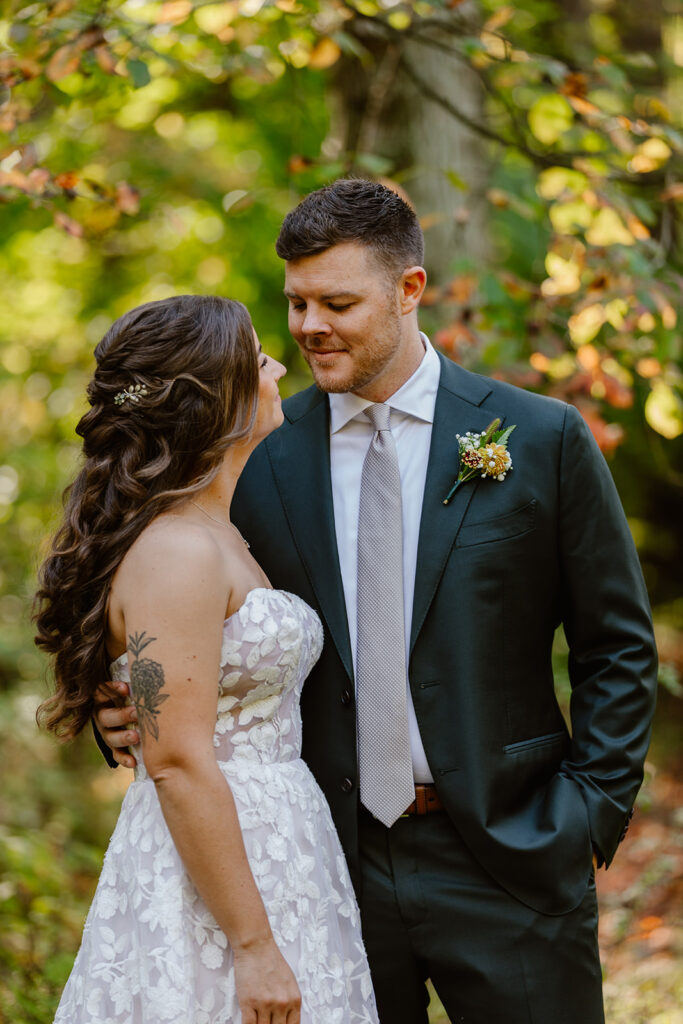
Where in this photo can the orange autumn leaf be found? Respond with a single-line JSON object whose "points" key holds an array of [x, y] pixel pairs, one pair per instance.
{"points": [[297, 163], [608, 436], [174, 12], [430, 296], [105, 59], [574, 84], [498, 198], [648, 924], [14, 179], [583, 106], [68, 180], [14, 70], [454, 338], [539, 361], [516, 286], [64, 61], [324, 54], [588, 357], [618, 395], [497, 20], [636, 227], [649, 367], [61, 7], [33, 184], [461, 288]]}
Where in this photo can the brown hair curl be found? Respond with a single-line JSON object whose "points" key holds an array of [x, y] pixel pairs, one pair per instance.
{"points": [[194, 356]]}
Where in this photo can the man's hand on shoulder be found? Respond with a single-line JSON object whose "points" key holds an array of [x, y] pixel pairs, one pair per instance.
{"points": [[115, 721]]}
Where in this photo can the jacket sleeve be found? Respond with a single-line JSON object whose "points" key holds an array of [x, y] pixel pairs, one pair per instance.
{"points": [[105, 750], [612, 654]]}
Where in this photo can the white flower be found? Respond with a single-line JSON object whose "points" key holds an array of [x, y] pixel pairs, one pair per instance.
{"points": [[107, 903], [277, 847], [211, 956], [289, 926], [164, 1002], [121, 995]]}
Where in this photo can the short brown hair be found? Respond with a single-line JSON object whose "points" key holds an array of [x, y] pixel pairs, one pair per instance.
{"points": [[354, 210]]}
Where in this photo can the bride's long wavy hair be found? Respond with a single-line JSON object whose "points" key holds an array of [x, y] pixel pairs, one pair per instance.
{"points": [[195, 361]]}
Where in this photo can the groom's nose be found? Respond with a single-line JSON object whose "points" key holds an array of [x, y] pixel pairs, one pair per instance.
{"points": [[315, 322]]}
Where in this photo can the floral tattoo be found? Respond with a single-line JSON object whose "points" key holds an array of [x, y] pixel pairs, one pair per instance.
{"points": [[146, 680]]}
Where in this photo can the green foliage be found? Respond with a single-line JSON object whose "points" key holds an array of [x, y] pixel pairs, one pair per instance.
{"points": [[582, 298], [148, 149], [209, 162], [57, 808]]}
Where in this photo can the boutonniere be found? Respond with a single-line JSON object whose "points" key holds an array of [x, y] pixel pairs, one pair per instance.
{"points": [[484, 454]]}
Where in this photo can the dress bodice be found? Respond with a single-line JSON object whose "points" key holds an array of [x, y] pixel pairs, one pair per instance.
{"points": [[270, 645]]}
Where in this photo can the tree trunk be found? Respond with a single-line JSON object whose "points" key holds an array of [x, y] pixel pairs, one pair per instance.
{"points": [[388, 107]]}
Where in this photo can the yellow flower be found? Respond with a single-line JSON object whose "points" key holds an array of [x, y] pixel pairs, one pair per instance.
{"points": [[495, 460]]}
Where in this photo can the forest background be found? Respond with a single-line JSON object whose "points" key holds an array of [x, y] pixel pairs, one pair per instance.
{"points": [[148, 149]]}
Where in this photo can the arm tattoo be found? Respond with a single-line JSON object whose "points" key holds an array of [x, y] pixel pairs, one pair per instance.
{"points": [[146, 680]]}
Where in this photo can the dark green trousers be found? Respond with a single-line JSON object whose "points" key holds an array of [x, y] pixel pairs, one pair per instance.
{"points": [[429, 910]]}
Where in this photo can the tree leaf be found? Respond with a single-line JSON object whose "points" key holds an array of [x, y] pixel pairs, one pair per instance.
{"points": [[324, 54], [64, 61], [139, 72], [550, 117]]}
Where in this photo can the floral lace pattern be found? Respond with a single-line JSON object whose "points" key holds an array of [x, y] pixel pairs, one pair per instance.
{"points": [[151, 950]]}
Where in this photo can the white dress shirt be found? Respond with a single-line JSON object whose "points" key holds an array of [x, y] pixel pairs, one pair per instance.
{"points": [[412, 416]]}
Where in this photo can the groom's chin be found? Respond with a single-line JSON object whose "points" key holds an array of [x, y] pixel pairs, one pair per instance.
{"points": [[329, 382]]}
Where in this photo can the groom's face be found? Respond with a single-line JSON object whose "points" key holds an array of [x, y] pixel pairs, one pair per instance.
{"points": [[345, 315]]}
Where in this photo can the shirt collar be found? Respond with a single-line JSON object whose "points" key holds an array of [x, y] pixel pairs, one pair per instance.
{"points": [[417, 397]]}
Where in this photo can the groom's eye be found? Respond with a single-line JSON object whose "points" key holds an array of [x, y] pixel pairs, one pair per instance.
{"points": [[339, 309]]}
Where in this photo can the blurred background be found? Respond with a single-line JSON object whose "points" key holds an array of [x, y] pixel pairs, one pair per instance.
{"points": [[148, 149]]}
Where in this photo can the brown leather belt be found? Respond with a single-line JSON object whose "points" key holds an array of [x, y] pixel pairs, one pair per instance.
{"points": [[426, 800]]}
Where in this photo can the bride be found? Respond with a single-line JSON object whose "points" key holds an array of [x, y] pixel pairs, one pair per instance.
{"points": [[224, 895]]}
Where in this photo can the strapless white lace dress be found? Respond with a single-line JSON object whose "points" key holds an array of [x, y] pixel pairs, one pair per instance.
{"points": [[151, 950]]}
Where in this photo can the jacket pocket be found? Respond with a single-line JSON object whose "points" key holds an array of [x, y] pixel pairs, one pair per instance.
{"points": [[536, 741], [513, 524]]}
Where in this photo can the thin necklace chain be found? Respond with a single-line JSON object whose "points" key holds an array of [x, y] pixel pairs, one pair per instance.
{"points": [[220, 522]]}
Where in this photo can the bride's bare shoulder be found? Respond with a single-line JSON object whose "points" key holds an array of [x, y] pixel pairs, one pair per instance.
{"points": [[171, 549]]}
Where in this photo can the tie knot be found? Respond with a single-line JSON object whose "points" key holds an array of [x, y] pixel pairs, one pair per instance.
{"points": [[379, 415]]}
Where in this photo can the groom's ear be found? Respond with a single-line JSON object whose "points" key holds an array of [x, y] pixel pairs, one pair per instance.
{"points": [[411, 286]]}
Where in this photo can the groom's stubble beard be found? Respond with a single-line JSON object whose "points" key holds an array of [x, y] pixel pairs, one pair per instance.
{"points": [[370, 357]]}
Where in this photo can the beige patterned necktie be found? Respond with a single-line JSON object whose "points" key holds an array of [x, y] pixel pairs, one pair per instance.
{"points": [[385, 764]]}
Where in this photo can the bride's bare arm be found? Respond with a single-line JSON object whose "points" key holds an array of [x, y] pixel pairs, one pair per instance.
{"points": [[174, 606]]}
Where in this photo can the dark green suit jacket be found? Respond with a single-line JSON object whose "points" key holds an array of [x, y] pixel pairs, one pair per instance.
{"points": [[497, 571]]}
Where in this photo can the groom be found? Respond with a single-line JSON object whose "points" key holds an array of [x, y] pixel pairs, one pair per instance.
{"points": [[470, 815]]}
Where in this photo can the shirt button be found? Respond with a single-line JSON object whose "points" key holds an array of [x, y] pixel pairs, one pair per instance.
{"points": [[346, 697], [347, 785]]}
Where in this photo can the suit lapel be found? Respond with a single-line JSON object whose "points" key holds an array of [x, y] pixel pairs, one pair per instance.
{"points": [[458, 409], [300, 458]]}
